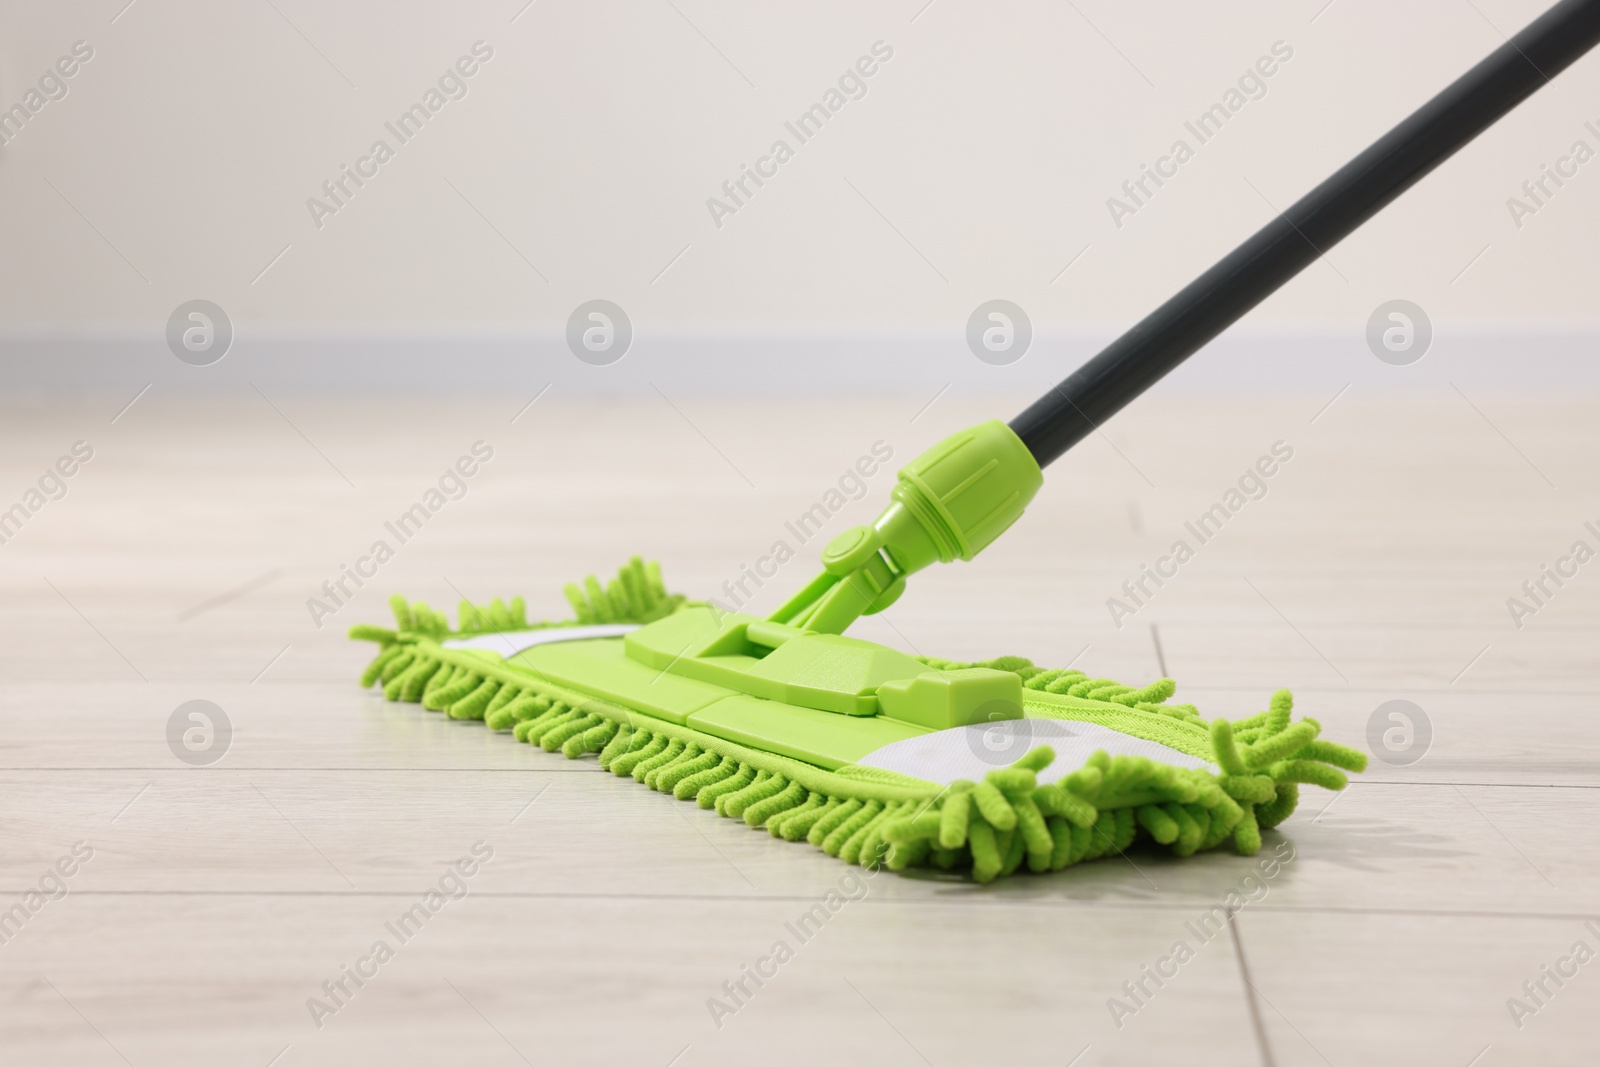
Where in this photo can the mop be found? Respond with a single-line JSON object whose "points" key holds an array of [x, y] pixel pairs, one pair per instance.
{"points": [[879, 757]]}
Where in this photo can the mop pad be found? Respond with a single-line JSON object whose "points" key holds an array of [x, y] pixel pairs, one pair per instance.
{"points": [[870, 754]]}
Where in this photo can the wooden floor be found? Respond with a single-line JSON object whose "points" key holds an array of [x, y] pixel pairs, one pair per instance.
{"points": [[218, 899]]}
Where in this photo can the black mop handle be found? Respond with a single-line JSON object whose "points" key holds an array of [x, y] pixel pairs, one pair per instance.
{"points": [[1315, 223]]}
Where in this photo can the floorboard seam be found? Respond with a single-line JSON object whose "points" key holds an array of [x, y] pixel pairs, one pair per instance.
{"points": [[1250, 991]]}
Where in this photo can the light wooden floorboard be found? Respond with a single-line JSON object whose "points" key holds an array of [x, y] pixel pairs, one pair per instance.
{"points": [[219, 899]]}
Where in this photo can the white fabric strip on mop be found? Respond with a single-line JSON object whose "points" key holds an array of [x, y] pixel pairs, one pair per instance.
{"points": [[971, 752], [509, 644]]}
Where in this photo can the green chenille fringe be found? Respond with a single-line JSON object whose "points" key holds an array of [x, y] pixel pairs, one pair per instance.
{"points": [[635, 595], [866, 816]]}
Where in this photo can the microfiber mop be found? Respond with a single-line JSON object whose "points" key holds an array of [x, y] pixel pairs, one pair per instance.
{"points": [[881, 757]]}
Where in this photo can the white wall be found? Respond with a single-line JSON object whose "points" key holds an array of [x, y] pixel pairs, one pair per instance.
{"points": [[189, 144]]}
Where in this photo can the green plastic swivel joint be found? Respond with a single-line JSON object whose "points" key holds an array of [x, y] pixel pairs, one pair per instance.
{"points": [[949, 503]]}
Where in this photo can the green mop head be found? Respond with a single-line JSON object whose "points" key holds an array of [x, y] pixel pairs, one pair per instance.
{"points": [[868, 753]]}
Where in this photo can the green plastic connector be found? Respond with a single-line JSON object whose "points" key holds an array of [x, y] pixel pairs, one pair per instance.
{"points": [[949, 503], [692, 658], [825, 672], [939, 700]]}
